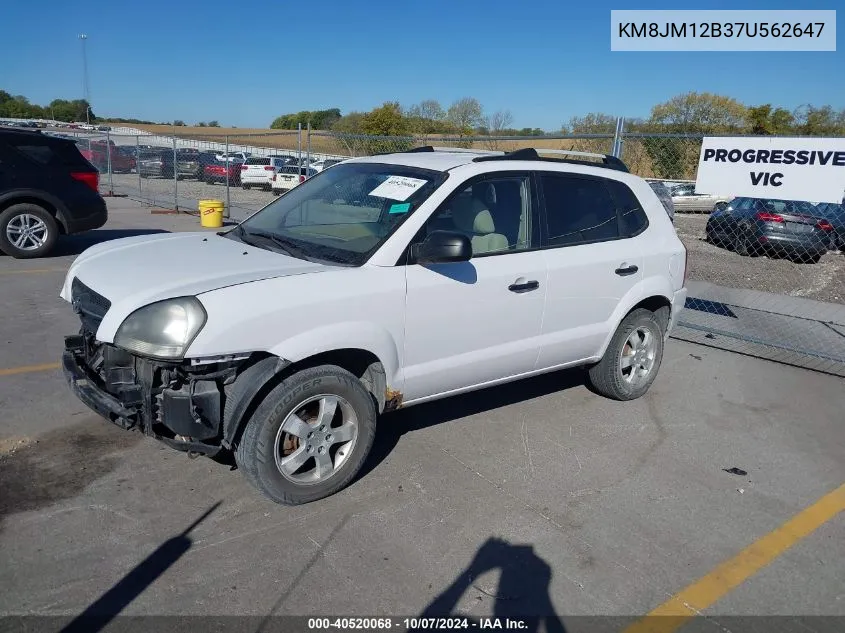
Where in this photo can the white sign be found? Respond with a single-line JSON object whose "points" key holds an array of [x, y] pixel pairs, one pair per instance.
{"points": [[781, 168], [398, 187]]}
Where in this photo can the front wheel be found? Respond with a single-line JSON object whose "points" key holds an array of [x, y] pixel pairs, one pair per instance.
{"points": [[309, 437], [632, 359], [27, 231]]}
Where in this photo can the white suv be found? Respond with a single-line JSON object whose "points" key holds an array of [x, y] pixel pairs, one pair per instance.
{"points": [[258, 172], [380, 283]]}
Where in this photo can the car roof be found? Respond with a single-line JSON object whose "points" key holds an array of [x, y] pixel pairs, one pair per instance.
{"points": [[446, 158]]}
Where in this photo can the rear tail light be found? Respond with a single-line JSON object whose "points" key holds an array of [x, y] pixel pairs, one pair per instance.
{"points": [[301, 178], [274, 177], [90, 178], [765, 216], [243, 167], [268, 168], [824, 225]]}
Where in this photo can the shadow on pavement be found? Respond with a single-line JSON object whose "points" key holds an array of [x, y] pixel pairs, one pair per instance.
{"points": [[522, 592], [75, 244], [133, 584], [394, 425]]}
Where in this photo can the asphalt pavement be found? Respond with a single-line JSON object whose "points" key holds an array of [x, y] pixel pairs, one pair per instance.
{"points": [[536, 497]]}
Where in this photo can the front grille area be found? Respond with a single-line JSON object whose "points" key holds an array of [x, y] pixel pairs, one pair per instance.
{"points": [[91, 306]]}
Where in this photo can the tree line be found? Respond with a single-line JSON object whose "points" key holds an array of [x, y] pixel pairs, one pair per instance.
{"points": [[464, 117], [708, 113], [19, 107]]}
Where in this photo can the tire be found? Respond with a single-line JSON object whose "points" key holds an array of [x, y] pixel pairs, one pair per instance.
{"points": [[258, 453], [245, 186], [741, 244], [609, 378], [30, 217], [720, 206]]}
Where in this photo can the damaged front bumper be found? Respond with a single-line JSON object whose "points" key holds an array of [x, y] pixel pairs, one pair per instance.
{"points": [[176, 403]]}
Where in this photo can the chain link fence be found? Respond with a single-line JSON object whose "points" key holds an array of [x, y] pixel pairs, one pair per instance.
{"points": [[766, 277]]}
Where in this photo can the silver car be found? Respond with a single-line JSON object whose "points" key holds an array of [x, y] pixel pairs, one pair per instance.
{"points": [[686, 200]]}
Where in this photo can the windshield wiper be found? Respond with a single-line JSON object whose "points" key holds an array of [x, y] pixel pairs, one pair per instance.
{"points": [[289, 247]]}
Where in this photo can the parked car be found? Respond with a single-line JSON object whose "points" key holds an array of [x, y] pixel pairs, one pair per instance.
{"points": [[258, 171], [835, 214], [47, 188], [289, 177], [378, 284], [320, 165], [159, 163], [686, 200], [241, 156], [756, 226], [98, 153], [664, 196], [220, 172]]}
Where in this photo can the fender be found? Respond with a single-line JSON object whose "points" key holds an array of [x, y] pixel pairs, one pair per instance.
{"points": [[649, 287], [345, 335], [37, 194], [253, 378]]}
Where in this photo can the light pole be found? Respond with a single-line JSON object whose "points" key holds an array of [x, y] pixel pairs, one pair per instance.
{"points": [[85, 90]]}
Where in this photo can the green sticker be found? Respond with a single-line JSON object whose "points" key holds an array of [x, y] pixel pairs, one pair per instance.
{"points": [[399, 208]]}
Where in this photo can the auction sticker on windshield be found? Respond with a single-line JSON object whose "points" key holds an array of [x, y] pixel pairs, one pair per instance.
{"points": [[398, 187]]}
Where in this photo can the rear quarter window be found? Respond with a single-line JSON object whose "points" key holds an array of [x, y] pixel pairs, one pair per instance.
{"points": [[632, 218], [51, 154]]}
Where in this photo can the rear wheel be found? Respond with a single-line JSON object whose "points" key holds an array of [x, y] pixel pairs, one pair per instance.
{"points": [[632, 359], [27, 231], [309, 437], [743, 246]]}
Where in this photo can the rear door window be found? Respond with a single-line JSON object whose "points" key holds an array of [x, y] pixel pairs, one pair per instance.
{"points": [[579, 210]]}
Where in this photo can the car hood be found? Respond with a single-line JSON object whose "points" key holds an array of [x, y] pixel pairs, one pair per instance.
{"points": [[132, 272]]}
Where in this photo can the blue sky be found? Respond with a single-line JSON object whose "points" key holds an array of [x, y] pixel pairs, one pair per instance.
{"points": [[243, 63]]}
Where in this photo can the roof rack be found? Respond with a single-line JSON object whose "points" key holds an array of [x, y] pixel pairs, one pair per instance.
{"points": [[456, 150], [530, 153]]}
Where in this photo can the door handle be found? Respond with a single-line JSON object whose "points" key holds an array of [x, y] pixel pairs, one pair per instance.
{"points": [[527, 286], [626, 270]]}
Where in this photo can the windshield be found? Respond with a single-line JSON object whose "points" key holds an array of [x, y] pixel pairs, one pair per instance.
{"points": [[343, 214]]}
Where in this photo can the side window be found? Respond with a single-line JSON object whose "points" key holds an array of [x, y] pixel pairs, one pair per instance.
{"points": [[632, 218], [495, 214], [578, 210], [682, 190], [41, 154]]}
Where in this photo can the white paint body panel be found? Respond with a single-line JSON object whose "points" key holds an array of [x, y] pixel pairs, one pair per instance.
{"points": [[438, 329], [464, 326]]}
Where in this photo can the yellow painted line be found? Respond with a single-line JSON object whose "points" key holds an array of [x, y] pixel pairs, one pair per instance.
{"points": [[32, 271], [27, 369], [692, 600]]}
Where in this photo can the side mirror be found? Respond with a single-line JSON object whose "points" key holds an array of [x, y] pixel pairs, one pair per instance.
{"points": [[441, 247]]}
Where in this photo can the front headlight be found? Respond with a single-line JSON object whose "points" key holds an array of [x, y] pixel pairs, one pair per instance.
{"points": [[163, 329]]}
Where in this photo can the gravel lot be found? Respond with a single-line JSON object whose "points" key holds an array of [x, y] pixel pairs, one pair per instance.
{"points": [[824, 281], [159, 191]]}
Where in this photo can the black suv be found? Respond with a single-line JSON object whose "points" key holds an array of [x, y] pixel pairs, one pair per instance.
{"points": [[47, 188]]}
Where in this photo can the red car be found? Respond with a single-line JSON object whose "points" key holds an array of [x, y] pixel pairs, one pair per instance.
{"points": [[219, 173], [97, 153]]}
